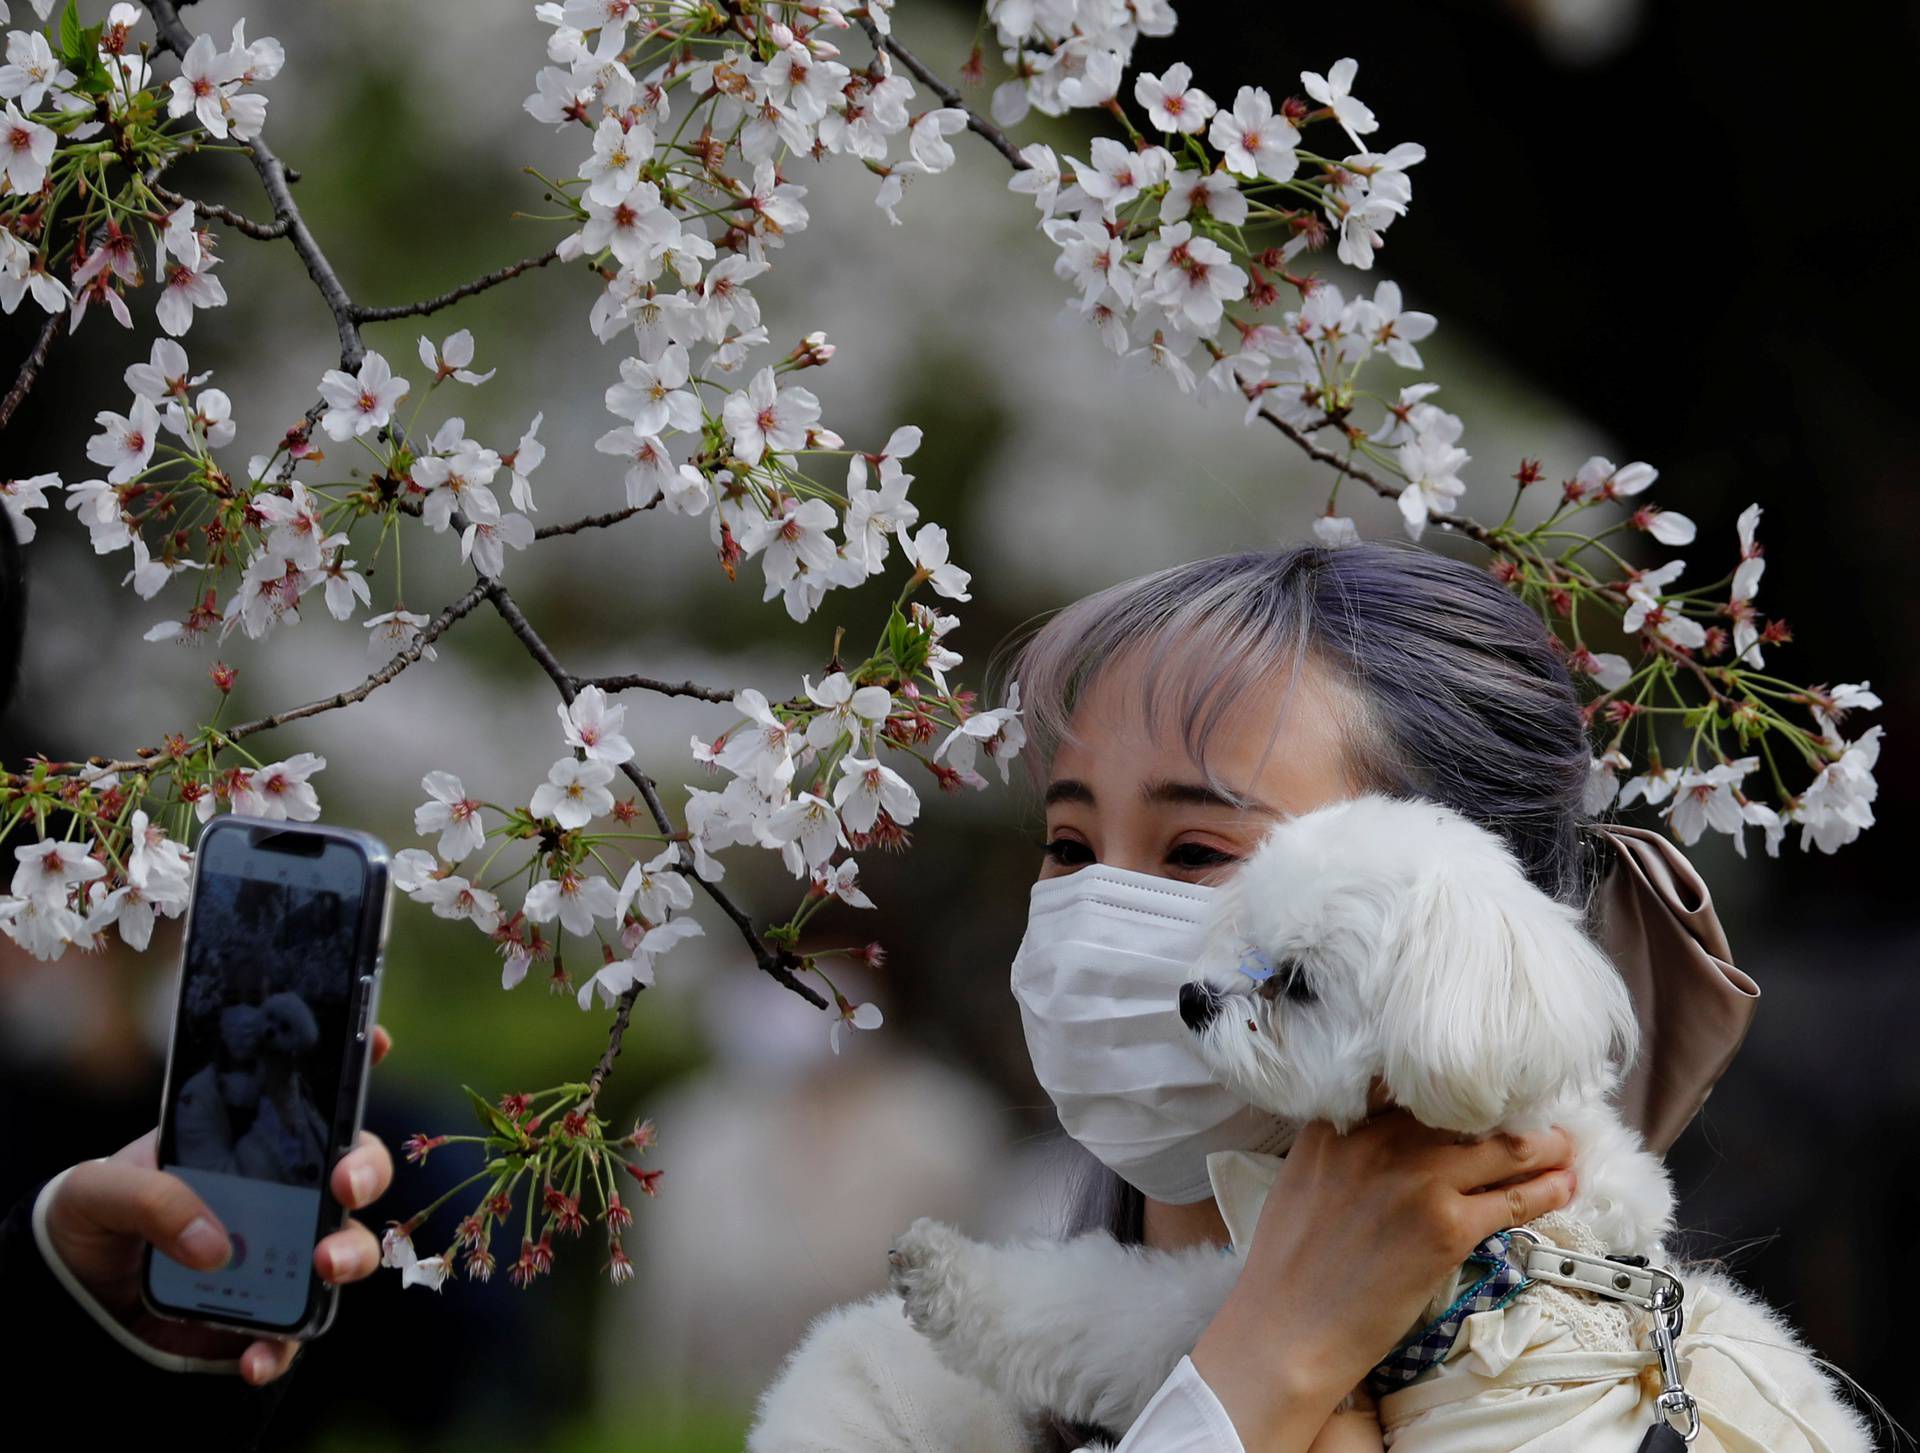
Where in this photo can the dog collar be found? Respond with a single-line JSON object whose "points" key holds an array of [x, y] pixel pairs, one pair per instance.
{"points": [[1500, 1277]]}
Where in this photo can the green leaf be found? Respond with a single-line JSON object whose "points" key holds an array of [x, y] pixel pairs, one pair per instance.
{"points": [[71, 35], [907, 644], [491, 1117]]}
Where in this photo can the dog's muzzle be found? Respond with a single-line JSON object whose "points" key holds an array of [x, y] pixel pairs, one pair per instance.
{"points": [[1199, 1003]]}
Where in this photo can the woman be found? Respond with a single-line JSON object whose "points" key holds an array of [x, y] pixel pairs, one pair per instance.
{"points": [[1172, 717]]}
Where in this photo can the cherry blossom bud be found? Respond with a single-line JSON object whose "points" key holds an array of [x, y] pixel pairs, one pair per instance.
{"points": [[525, 1267], [649, 1179], [480, 1264], [619, 1268]]}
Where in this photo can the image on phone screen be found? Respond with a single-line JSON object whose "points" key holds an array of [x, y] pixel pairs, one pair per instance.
{"points": [[261, 1040]]}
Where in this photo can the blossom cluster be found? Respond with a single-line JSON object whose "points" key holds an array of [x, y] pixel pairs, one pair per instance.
{"points": [[682, 203], [1183, 240], [84, 132]]}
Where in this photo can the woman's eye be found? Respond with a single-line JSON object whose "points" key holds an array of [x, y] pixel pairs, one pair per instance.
{"points": [[1199, 855], [1066, 850]]}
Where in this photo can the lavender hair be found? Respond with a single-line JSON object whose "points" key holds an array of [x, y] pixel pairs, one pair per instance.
{"points": [[1446, 685]]}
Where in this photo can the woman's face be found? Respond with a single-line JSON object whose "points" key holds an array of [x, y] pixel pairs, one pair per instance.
{"points": [[1131, 801]]}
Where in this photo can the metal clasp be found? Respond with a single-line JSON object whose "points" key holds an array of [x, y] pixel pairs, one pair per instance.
{"points": [[1676, 1404]]}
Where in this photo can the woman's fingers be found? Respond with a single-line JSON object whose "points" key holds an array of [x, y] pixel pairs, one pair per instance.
{"points": [[1519, 1203], [362, 1175], [1503, 1157], [348, 1254], [124, 1200], [382, 1042], [266, 1359]]}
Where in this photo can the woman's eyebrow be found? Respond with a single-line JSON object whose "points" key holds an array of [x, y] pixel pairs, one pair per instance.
{"points": [[1160, 789], [1068, 789], [1196, 794]]}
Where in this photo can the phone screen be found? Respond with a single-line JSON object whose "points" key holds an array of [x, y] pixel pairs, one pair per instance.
{"points": [[261, 1040]]}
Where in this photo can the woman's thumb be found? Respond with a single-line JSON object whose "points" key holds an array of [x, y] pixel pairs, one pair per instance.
{"points": [[156, 1206]]}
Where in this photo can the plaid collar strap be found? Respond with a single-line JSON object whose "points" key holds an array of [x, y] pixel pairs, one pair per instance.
{"points": [[1501, 1277]]}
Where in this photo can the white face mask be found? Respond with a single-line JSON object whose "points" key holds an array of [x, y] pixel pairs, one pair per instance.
{"points": [[1098, 978]]}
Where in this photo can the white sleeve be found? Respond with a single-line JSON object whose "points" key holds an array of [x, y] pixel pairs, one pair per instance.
{"points": [[1184, 1416]]}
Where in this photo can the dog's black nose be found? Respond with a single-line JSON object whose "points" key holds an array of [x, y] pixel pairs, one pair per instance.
{"points": [[1198, 1004]]}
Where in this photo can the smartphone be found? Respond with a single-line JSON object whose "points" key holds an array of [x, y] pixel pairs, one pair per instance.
{"points": [[267, 1069]]}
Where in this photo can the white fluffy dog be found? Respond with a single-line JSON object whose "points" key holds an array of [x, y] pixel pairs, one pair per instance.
{"points": [[1405, 945]]}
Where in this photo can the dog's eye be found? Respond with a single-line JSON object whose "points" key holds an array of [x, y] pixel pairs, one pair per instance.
{"points": [[1289, 982]]}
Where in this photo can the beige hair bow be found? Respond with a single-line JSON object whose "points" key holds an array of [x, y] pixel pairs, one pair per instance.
{"points": [[1693, 1005]]}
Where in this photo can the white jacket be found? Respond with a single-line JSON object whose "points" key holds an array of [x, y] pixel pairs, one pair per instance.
{"points": [[1551, 1372], [863, 1381]]}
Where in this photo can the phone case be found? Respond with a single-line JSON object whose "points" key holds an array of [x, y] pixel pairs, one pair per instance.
{"points": [[323, 1300]]}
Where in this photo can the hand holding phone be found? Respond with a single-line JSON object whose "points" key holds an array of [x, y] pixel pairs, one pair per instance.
{"points": [[266, 1079], [105, 1214]]}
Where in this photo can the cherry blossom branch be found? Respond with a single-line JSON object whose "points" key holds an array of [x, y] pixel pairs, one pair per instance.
{"points": [[264, 231], [36, 358], [429, 633], [778, 964], [998, 139], [647, 683], [30, 370], [446, 300], [273, 177], [923, 73], [1470, 528], [595, 522]]}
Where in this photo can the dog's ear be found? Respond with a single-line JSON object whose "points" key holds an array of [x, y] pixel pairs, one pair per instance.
{"points": [[1495, 1004]]}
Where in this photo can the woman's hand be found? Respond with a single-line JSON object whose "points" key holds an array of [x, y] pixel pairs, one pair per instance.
{"points": [[105, 1213], [1356, 1233]]}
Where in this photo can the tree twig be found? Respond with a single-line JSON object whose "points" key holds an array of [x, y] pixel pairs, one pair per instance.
{"points": [[595, 522], [429, 633], [647, 683], [948, 96], [465, 290], [265, 231], [30, 370]]}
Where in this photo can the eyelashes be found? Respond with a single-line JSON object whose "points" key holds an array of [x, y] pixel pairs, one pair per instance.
{"points": [[1069, 852]]}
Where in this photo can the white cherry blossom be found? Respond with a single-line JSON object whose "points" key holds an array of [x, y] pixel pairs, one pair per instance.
{"points": [[358, 403], [866, 788], [452, 814], [1252, 140], [574, 793], [1173, 102], [575, 900], [592, 724], [858, 710], [1335, 90]]}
